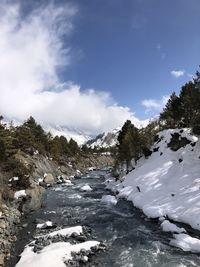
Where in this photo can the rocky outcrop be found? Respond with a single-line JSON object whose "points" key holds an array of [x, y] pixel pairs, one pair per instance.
{"points": [[9, 218], [41, 168]]}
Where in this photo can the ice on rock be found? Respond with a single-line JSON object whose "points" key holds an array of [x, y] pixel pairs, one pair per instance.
{"points": [[86, 188], [109, 200], [171, 227]]}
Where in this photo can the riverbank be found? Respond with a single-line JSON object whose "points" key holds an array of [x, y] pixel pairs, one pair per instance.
{"points": [[130, 238], [166, 185], [18, 201]]}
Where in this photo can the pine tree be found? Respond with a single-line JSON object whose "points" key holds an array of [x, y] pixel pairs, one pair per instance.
{"points": [[190, 98], [128, 143], [73, 147], [172, 112]]}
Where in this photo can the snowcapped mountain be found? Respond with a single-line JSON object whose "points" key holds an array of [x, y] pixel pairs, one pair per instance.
{"points": [[79, 136], [105, 140]]}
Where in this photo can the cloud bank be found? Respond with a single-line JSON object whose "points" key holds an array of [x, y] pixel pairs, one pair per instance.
{"points": [[154, 105], [32, 50]]}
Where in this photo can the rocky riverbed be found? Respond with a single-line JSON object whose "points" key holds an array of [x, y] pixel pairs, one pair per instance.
{"points": [[93, 229], [44, 172]]}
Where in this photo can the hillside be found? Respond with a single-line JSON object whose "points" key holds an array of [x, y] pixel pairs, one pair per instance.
{"points": [[166, 185], [31, 160]]}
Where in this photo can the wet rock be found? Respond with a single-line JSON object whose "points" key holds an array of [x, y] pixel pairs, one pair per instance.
{"points": [[81, 238], [74, 235]]}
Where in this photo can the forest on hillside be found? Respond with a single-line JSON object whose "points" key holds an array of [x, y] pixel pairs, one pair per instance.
{"points": [[181, 111]]}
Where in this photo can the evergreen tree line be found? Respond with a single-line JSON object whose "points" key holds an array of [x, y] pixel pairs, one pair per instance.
{"points": [[180, 111], [31, 138], [184, 110]]}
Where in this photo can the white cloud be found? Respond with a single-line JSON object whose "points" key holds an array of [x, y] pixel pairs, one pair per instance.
{"points": [[31, 51], [155, 105], [177, 73]]}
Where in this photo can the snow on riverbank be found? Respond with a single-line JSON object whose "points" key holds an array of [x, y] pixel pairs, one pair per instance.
{"points": [[67, 231], [186, 243], [171, 227], [44, 225], [55, 254], [167, 184]]}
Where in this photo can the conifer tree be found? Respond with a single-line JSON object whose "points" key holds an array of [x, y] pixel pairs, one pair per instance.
{"points": [[172, 112], [128, 143]]}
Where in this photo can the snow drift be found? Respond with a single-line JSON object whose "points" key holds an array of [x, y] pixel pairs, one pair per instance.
{"points": [[167, 184]]}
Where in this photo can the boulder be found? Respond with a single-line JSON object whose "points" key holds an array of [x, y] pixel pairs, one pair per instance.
{"points": [[49, 179], [34, 200]]}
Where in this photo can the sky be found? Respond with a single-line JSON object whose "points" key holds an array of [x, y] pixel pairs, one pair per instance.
{"points": [[91, 65]]}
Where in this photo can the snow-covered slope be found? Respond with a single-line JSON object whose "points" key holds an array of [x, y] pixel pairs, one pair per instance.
{"points": [[80, 137], [167, 184], [105, 140]]}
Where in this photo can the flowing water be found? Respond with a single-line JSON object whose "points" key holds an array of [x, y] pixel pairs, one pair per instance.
{"points": [[132, 239]]}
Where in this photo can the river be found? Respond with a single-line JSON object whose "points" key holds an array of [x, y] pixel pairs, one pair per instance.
{"points": [[132, 239]]}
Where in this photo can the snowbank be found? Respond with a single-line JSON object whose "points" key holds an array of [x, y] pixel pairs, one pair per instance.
{"points": [[66, 232], [186, 243], [162, 185], [86, 188], [53, 255], [171, 227], [167, 184], [108, 199], [44, 225]]}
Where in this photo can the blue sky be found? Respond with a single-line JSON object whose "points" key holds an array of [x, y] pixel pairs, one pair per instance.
{"points": [[93, 64], [130, 47]]}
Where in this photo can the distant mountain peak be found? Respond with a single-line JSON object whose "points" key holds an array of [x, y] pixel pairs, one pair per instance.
{"points": [[79, 136], [105, 140]]}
